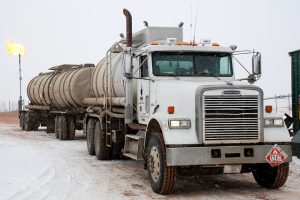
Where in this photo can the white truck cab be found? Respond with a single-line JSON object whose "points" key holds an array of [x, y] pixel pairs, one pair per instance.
{"points": [[188, 95], [177, 105]]}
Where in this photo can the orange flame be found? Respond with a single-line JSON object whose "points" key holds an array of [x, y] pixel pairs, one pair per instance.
{"points": [[15, 48]]}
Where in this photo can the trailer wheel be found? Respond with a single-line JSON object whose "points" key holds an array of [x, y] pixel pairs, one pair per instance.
{"points": [[90, 134], [22, 120], [71, 128], [56, 126], [101, 150], [27, 124], [50, 124], [162, 178], [63, 128], [271, 177]]}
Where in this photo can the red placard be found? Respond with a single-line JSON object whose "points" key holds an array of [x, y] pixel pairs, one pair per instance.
{"points": [[276, 156]]}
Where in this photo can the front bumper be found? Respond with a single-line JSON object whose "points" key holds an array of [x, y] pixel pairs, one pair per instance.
{"points": [[183, 156]]}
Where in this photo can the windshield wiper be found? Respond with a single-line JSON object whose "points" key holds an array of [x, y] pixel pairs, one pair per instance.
{"points": [[171, 74], [227, 83]]}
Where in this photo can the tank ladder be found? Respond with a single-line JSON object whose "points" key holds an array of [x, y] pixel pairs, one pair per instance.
{"points": [[108, 97]]}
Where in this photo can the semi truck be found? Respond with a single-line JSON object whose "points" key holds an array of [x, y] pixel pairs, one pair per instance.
{"points": [[177, 107]]}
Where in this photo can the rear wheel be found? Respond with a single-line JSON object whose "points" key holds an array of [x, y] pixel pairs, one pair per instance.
{"points": [[50, 124], [56, 126], [90, 134], [63, 128], [71, 128], [27, 123], [162, 177], [101, 150], [22, 120], [271, 177]]}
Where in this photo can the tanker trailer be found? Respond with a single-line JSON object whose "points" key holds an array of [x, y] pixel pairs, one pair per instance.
{"points": [[178, 106], [56, 100]]}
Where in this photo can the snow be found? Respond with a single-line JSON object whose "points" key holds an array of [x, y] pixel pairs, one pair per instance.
{"points": [[35, 165]]}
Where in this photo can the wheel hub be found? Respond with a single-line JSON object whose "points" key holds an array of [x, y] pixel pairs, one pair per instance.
{"points": [[154, 164]]}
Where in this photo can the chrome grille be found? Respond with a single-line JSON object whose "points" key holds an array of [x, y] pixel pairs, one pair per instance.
{"points": [[231, 118]]}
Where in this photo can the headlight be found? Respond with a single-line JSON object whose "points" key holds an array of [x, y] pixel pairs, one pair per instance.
{"points": [[278, 122], [179, 123], [272, 122]]}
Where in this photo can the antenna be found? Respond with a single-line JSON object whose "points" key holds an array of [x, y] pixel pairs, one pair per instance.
{"points": [[196, 22], [191, 25]]}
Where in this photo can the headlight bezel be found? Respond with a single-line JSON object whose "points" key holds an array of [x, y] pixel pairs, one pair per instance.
{"points": [[273, 122], [180, 123]]}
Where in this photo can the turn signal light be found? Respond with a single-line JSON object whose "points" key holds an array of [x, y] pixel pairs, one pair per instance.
{"points": [[268, 108], [171, 109]]}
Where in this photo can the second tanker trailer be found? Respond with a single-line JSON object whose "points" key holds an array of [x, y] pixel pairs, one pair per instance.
{"points": [[56, 100]]}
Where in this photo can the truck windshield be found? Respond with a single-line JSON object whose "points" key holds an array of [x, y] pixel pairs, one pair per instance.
{"points": [[191, 64]]}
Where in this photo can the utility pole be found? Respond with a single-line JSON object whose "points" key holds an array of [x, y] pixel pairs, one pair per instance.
{"points": [[20, 103]]}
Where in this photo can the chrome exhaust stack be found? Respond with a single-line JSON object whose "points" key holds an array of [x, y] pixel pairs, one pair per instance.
{"points": [[128, 69]]}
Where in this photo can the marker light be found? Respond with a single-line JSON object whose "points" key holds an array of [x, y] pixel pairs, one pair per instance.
{"points": [[268, 108], [171, 109], [155, 42], [215, 44]]}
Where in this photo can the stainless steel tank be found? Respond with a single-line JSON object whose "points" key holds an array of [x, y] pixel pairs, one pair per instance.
{"points": [[116, 83], [65, 87]]}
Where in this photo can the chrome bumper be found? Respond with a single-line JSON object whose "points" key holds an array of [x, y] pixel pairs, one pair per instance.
{"points": [[184, 156]]}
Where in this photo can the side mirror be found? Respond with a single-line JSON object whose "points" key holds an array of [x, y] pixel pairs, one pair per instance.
{"points": [[256, 63]]}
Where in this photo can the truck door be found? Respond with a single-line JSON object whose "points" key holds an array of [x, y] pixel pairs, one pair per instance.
{"points": [[143, 93]]}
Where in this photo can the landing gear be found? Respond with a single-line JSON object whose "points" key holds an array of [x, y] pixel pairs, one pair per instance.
{"points": [[271, 177], [162, 177]]}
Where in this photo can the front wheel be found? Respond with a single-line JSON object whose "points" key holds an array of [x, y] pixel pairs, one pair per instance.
{"points": [[162, 177], [271, 177]]}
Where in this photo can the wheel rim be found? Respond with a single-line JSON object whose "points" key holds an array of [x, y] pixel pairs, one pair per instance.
{"points": [[154, 164]]}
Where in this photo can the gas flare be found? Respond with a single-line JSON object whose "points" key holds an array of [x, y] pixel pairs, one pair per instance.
{"points": [[15, 48]]}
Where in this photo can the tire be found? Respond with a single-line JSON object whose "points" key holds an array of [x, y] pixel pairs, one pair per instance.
{"points": [[50, 124], [56, 126], [62, 128], [71, 128], [162, 178], [22, 121], [101, 150], [90, 134], [271, 177], [27, 124]]}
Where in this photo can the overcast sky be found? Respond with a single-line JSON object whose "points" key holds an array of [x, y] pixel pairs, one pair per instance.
{"points": [[58, 32]]}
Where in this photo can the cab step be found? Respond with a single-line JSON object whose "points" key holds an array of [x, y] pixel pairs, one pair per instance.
{"points": [[134, 145]]}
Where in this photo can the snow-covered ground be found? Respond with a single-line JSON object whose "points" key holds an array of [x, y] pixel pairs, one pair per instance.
{"points": [[35, 165]]}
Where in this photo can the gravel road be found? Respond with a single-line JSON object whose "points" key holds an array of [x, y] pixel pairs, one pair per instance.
{"points": [[35, 165]]}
